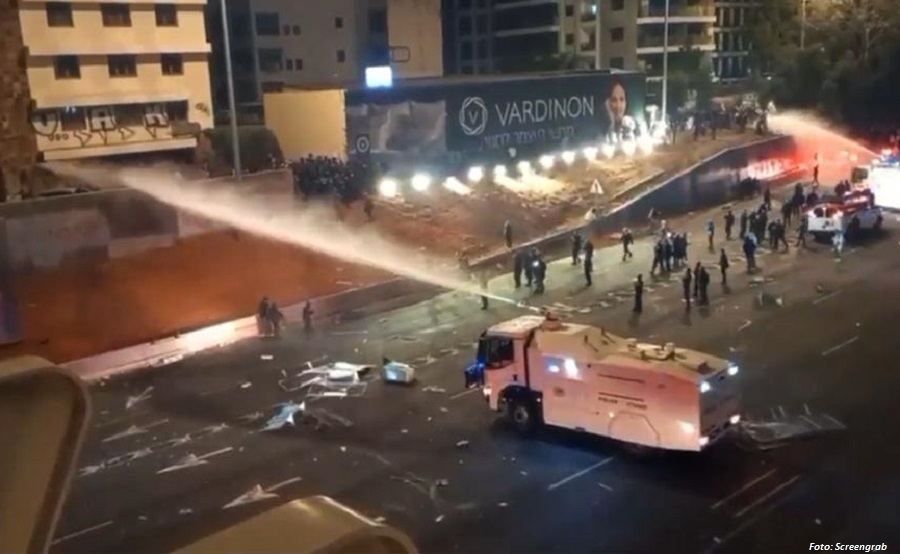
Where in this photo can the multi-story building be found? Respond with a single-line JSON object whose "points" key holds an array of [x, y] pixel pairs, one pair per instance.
{"points": [[733, 19], [484, 36], [17, 143], [116, 78], [304, 43]]}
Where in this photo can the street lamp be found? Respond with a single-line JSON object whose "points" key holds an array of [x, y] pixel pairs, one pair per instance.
{"points": [[665, 83], [235, 144]]}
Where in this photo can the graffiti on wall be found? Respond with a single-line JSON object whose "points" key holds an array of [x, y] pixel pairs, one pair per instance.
{"points": [[99, 125]]}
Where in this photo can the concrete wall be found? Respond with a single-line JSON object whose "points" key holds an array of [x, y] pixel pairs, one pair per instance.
{"points": [[307, 121], [415, 35]]}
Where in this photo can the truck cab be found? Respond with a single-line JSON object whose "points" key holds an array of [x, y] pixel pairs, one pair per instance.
{"points": [[540, 371]]}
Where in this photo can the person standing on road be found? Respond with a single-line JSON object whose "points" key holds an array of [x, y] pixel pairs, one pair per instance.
{"points": [[782, 236], [540, 273], [744, 218], [703, 279], [528, 268], [657, 257], [729, 223], [710, 234], [638, 294], [588, 269], [801, 231], [262, 318], [723, 266], [686, 288], [697, 267], [773, 235], [507, 233], [483, 283], [767, 198], [816, 170], [668, 252], [576, 247], [275, 318], [837, 241], [787, 212], [749, 252], [627, 241], [518, 266], [307, 317]]}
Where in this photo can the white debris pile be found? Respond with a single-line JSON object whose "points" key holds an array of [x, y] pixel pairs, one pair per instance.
{"points": [[783, 428]]}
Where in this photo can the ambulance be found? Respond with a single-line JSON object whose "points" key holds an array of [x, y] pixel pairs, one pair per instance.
{"points": [[538, 370]]}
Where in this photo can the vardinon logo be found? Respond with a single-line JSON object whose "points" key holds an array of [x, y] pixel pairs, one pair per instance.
{"points": [[473, 116]]}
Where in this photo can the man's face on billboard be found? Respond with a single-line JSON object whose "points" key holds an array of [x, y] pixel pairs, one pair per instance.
{"points": [[617, 103]]}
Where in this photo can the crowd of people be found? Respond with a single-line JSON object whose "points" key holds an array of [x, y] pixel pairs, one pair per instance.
{"points": [[330, 176]]}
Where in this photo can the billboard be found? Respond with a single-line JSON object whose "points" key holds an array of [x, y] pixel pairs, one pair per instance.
{"points": [[491, 116]]}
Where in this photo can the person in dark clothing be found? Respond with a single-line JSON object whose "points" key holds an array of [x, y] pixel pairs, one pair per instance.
{"points": [[627, 241], [576, 247], [767, 198], [507, 233], [729, 223], [483, 283], [686, 281], [275, 318], [710, 234], [801, 232], [588, 269], [657, 257], [761, 223], [787, 211], [816, 171], [369, 209], [723, 266], [540, 272], [638, 294], [518, 266], [749, 253], [812, 198], [744, 221], [667, 254], [307, 317], [684, 248], [588, 249], [262, 318], [703, 279], [697, 268], [529, 267], [773, 235]]}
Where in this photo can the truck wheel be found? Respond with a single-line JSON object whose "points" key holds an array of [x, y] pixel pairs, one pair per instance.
{"points": [[522, 415]]}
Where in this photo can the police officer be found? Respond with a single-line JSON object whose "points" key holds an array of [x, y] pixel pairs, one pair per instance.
{"points": [[657, 257], [686, 281], [729, 223], [744, 218], [801, 231], [576, 247], [668, 252], [703, 279], [697, 268], [627, 241], [639, 294], [518, 266], [723, 266], [588, 269], [767, 198], [588, 250]]}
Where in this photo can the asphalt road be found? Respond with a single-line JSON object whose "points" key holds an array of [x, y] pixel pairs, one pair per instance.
{"points": [[827, 354]]}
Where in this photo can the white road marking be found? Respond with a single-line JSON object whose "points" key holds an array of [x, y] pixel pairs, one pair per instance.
{"points": [[826, 297], [82, 532], [284, 483], [835, 348], [463, 393], [745, 325], [578, 474], [743, 526], [767, 496], [736, 493], [605, 486]]}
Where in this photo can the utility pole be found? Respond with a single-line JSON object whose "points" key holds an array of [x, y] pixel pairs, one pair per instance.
{"points": [[802, 24], [597, 34], [665, 83], [235, 143]]}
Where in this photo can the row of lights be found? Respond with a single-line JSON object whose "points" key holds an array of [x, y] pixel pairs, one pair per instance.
{"points": [[421, 182]]}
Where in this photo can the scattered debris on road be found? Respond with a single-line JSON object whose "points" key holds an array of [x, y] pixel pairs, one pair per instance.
{"points": [[285, 416], [462, 444], [132, 400], [255, 494], [267, 357], [432, 388], [185, 511], [246, 385], [397, 372]]}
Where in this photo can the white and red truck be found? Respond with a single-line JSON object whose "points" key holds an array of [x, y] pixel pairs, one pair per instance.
{"points": [[537, 370], [853, 213]]}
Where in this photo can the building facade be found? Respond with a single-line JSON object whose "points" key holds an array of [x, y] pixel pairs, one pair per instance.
{"points": [[18, 149], [304, 43], [733, 42], [116, 78]]}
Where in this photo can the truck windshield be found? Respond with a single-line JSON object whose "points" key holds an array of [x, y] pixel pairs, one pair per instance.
{"points": [[495, 351]]}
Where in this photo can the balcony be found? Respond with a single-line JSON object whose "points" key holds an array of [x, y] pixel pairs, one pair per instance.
{"points": [[653, 15], [653, 44]]}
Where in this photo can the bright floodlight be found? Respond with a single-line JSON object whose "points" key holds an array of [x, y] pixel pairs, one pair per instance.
{"points": [[645, 143], [475, 174], [388, 187], [590, 152], [499, 171], [608, 149], [546, 161], [524, 168], [629, 147], [455, 185], [568, 156], [421, 181]]}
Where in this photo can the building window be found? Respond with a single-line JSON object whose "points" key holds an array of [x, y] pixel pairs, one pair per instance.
{"points": [[177, 111], [570, 39], [289, 64], [296, 29], [338, 22], [617, 34], [378, 21], [270, 60], [72, 119], [618, 5], [570, 10], [465, 26], [267, 24], [482, 25], [166, 15], [341, 56], [59, 14], [482, 50], [122, 66], [172, 64], [129, 115], [116, 15], [617, 63], [298, 64], [465, 51], [66, 67]]}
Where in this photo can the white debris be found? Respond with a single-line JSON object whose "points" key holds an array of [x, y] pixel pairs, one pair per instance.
{"points": [[285, 416], [185, 511], [397, 372], [246, 385], [343, 448], [191, 460], [439, 518], [717, 540], [142, 518], [380, 519], [431, 388], [818, 521], [266, 357], [502, 504], [404, 431], [523, 473], [133, 430], [132, 400], [443, 410], [462, 444], [253, 495]]}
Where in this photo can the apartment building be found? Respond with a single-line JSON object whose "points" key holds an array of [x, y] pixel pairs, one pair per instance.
{"points": [[17, 144], [733, 20], [116, 78], [485, 36], [311, 43]]}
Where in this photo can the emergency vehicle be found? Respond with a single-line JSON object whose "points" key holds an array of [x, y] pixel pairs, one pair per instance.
{"points": [[538, 370], [882, 177], [851, 214]]}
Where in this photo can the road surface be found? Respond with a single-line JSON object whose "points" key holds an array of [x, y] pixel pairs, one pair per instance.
{"points": [[433, 461]]}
